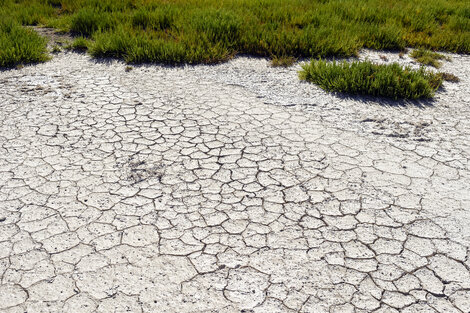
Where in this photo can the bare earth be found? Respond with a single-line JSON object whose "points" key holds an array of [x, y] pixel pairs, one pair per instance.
{"points": [[228, 188]]}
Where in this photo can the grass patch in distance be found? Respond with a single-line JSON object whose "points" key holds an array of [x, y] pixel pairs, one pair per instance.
{"points": [[367, 78], [212, 31]]}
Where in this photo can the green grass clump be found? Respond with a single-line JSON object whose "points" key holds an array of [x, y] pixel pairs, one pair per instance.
{"points": [[19, 45], [366, 78], [427, 57], [79, 44]]}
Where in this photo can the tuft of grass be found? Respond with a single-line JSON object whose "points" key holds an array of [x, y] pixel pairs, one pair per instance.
{"points": [[56, 49], [427, 57], [366, 78], [80, 44], [19, 45], [283, 61], [449, 77]]}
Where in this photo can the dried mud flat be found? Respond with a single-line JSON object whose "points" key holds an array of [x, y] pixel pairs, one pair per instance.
{"points": [[229, 188]]}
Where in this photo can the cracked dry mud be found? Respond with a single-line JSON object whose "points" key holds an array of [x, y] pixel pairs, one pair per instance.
{"points": [[228, 188]]}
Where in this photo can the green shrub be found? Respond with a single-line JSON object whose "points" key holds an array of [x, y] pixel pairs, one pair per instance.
{"points": [[20, 46], [366, 78]]}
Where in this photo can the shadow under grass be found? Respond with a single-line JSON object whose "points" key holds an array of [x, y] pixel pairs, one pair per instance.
{"points": [[422, 103], [107, 60]]}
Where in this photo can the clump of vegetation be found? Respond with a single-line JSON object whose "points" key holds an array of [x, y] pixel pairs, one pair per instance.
{"points": [[19, 45], [283, 61], [56, 49], [210, 31], [427, 57], [366, 78], [140, 47], [449, 77], [89, 20], [80, 44]]}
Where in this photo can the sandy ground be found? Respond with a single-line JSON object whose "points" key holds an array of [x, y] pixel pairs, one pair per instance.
{"points": [[229, 188]]}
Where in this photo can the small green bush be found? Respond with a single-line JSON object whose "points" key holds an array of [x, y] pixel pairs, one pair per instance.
{"points": [[19, 45], [366, 78]]}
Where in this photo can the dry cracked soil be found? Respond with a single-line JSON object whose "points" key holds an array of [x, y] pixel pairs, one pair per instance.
{"points": [[229, 188]]}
